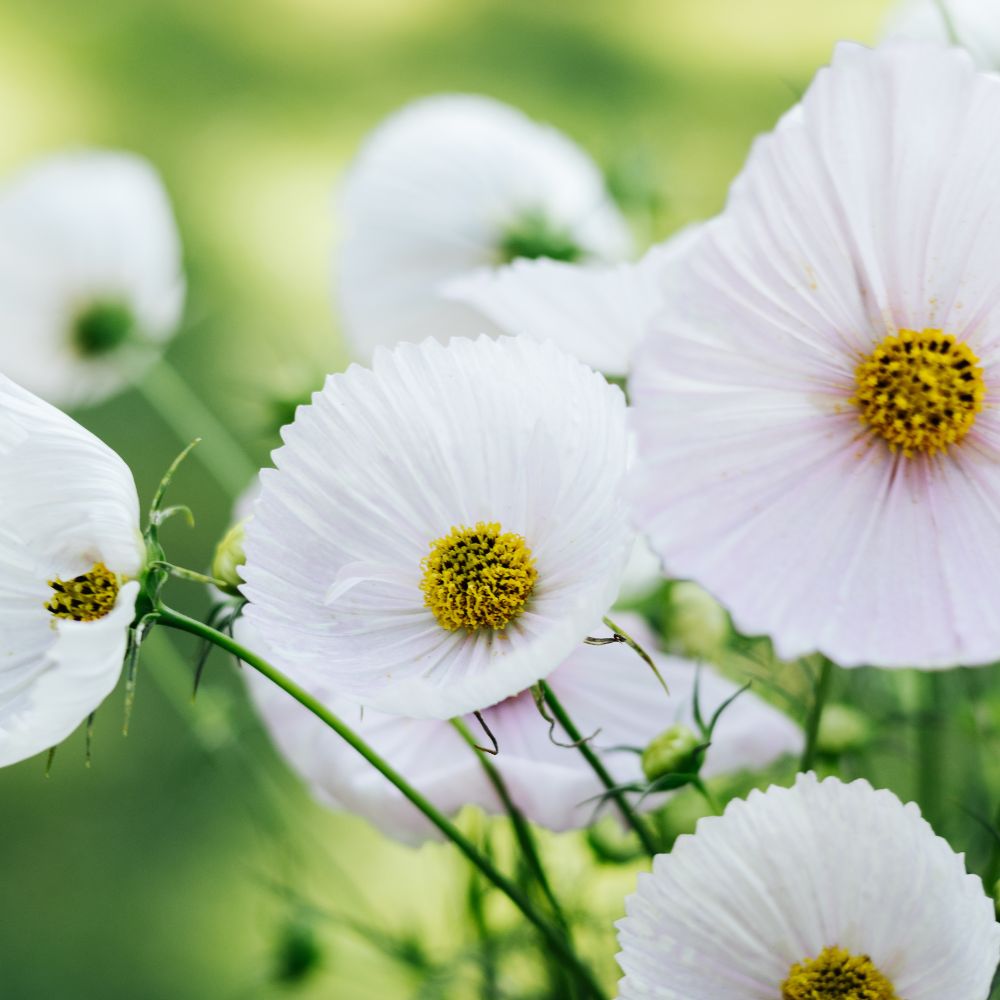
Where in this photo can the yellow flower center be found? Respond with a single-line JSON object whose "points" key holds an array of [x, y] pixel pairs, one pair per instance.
{"points": [[919, 391], [478, 577], [85, 598], [836, 974]]}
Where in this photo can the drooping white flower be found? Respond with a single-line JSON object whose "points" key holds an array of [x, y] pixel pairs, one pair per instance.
{"points": [[448, 185], [90, 274], [606, 689], [817, 409], [70, 552], [821, 890], [441, 530], [973, 24], [597, 313]]}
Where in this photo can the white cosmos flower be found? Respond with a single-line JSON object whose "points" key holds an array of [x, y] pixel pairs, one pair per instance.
{"points": [[448, 185], [90, 274], [607, 689], [973, 24], [819, 435], [443, 529], [760, 901], [597, 313], [70, 552]]}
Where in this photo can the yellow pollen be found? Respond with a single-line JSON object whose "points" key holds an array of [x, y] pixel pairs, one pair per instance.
{"points": [[919, 391], [478, 577], [836, 974], [85, 598]]}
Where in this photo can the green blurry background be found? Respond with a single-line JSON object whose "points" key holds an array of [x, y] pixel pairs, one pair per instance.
{"points": [[186, 863]]}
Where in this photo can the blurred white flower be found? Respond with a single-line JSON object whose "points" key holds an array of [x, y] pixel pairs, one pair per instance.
{"points": [[90, 274], [973, 24], [820, 890], [70, 552], [816, 407], [441, 531], [597, 313], [451, 184], [605, 688]]}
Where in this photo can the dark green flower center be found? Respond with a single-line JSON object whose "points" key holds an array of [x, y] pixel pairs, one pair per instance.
{"points": [[534, 236], [102, 328]]}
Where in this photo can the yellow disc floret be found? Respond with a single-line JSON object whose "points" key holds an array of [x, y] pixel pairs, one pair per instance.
{"points": [[87, 597], [919, 391], [478, 577], [836, 974]]}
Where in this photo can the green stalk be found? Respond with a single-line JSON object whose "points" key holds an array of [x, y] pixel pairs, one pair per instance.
{"points": [[930, 749], [183, 411], [557, 940], [820, 693], [630, 816], [522, 831]]}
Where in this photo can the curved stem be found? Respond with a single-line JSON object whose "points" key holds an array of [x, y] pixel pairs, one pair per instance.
{"points": [[223, 457], [522, 830], [556, 940], [820, 692], [632, 818]]}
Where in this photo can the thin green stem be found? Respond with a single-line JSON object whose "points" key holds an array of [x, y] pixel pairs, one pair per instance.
{"points": [[639, 651], [522, 830], [820, 693], [195, 577], [556, 939], [223, 457], [930, 748], [631, 817]]}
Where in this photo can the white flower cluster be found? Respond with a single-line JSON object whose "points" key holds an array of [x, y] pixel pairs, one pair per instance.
{"points": [[811, 432]]}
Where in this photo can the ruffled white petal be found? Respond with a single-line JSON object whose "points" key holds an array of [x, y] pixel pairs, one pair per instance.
{"points": [[431, 196], [789, 872], [596, 313], [848, 223], [77, 229], [384, 463], [607, 690], [975, 24], [68, 502]]}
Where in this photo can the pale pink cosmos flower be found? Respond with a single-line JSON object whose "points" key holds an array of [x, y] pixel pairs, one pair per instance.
{"points": [[816, 409]]}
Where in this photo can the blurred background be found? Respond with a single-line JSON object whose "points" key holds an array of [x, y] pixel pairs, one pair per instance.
{"points": [[186, 862]]}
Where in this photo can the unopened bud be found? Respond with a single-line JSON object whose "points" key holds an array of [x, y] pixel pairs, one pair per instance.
{"points": [[672, 752], [698, 623], [842, 729], [229, 556]]}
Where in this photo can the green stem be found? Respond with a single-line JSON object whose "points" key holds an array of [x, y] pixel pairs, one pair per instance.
{"points": [[630, 816], [930, 749], [639, 651], [223, 457], [174, 619], [522, 830], [820, 693]]}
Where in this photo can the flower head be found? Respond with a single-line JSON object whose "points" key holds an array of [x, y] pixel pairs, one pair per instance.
{"points": [[90, 274], [70, 553], [443, 529], [810, 893], [597, 313], [607, 689], [451, 184], [973, 24], [816, 408]]}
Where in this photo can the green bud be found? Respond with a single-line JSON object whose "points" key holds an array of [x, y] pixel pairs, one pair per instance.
{"points": [[671, 752], [698, 623], [842, 729], [533, 236], [229, 556]]}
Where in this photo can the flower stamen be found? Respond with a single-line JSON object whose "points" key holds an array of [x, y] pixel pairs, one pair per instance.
{"points": [[478, 577], [85, 598], [836, 974], [920, 392]]}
